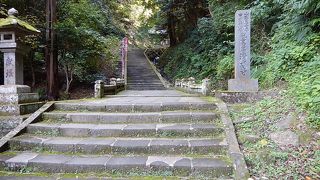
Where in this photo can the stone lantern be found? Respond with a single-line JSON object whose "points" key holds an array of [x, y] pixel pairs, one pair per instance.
{"points": [[14, 92]]}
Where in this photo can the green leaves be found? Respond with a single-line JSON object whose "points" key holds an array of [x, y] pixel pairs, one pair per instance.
{"points": [[88, 46], [305, 86]]}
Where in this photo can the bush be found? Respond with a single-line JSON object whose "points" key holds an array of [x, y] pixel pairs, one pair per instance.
{"points": [[305, 86], [285, 47]]}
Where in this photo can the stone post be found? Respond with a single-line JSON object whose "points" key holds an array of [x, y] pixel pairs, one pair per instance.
{"points": [[183, 83], [191, 81], [99, 89], [205, 86], [242, 81], [113, 81], [177, 83]]}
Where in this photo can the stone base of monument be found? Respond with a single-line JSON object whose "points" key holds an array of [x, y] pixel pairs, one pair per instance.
{"points": [[243, 85], [8, 123], [244, 97], [18, 100]]}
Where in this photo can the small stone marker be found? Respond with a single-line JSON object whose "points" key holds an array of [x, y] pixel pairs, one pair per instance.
{"points": [[242, 81], [205, 86], [99, 89]]}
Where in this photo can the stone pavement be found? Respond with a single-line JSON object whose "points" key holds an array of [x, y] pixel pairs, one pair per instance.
{"points": [[136, 133]]}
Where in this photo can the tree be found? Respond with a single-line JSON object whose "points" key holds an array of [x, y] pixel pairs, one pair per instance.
{"points": [[182, 17], [88, 41], [51, 51]]}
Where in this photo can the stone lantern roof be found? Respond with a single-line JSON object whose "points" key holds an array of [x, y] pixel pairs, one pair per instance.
{"points": [[13, 22]]}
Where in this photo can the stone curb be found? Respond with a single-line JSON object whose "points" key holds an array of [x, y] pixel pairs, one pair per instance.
{"points": [[34, 117], [241, 170], [243, 97]]}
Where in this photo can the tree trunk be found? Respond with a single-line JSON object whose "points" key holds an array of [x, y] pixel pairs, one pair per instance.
{"points": [[51, 51], [172, 29], [69, 78], [32, 70]]}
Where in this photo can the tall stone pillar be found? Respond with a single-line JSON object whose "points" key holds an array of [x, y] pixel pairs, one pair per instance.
{"points": [[243, 81]]}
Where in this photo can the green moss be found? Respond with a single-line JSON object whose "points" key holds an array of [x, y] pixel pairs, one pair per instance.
{"points": [[9, 153], [305, 137], [12, 21], [209, 99]]}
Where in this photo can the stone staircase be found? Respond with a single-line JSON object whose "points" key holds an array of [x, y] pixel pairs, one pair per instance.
{"points": [[178, 136], [140, 74]]}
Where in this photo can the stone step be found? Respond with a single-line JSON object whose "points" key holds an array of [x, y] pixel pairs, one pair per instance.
{"points": [[145, 88], [199, 146], [19, 109], [145, 83], [125, 165], [19, 98], [140, 76], [125, 130], [155, 81], [144, 80], [151, 117], [151, 107], [147, 76]]}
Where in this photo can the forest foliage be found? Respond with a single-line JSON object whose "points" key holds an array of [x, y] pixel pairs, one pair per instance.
{"points": [[88, 39], [285, 46]]}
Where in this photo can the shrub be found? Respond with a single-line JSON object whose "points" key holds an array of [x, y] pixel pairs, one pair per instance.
{"points": [[305, 86]]}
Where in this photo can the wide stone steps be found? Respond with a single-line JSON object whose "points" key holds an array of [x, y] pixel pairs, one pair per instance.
{"points": [[147, 79], [126, 165], [152, 146], [136, 88], [145, 83], [148, 117], [144, 77], [140, 74], [145, 87], [151, 107], [136, 134], [126, 130], [144, 80]]}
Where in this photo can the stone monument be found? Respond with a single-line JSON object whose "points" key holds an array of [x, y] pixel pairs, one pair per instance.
{"points": [[243, 81], [15, 97]]}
